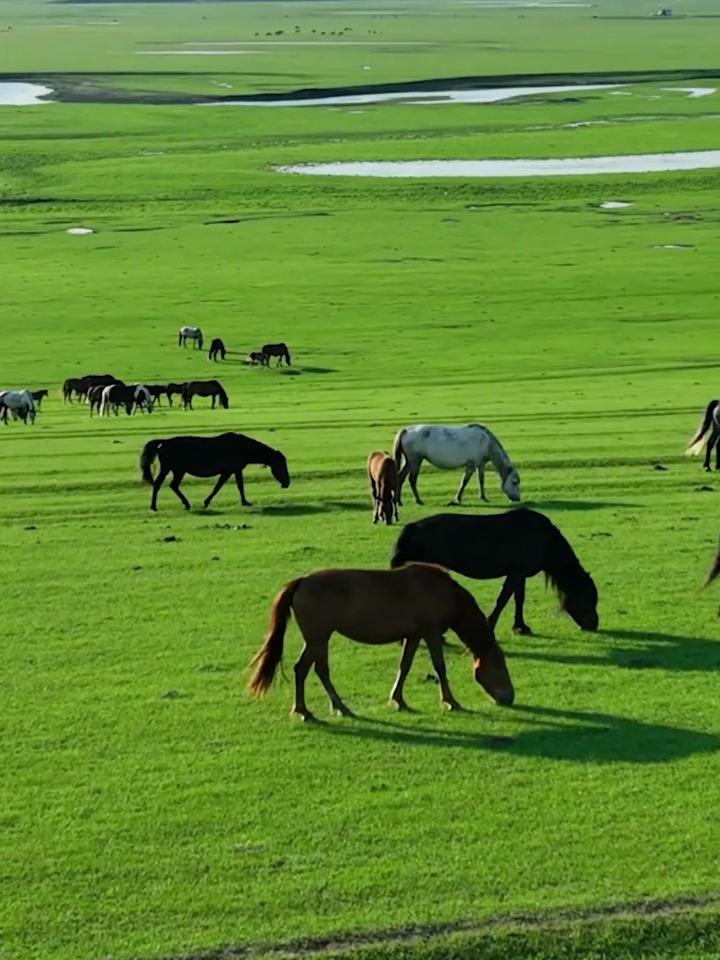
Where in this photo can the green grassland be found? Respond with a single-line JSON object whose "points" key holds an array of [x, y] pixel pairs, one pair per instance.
{"points": [[148, 809]]}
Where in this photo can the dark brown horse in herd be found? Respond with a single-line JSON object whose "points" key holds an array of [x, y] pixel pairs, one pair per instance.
{"points": [[417, 602]]}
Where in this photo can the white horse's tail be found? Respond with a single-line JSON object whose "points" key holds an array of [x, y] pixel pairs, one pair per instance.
{"points": [[398, 448], [697, 444]]}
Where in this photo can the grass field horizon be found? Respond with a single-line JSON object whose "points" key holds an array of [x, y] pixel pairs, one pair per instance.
{"points": [[149, 809]]}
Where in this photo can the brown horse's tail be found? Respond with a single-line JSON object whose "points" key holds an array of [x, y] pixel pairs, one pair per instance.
{"points": [[224, 402], [268, 658], [697, 443], [398, 448], [715, 571], [147, 458]]}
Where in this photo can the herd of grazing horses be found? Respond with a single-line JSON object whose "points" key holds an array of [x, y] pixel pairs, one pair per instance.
{"points": [[217, 350], [416, 599]]}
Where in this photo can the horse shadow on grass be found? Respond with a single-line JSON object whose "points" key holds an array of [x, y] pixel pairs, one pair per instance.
{"points": [[563, 735], [576, 505], [638, 650]]}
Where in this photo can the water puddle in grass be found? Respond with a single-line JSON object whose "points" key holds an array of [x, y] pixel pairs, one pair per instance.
{"points": [[199, 53], [80, 231], [424, 97], [559, 167], [22, 94], [693, 92], [673, 246], [615, 204]]}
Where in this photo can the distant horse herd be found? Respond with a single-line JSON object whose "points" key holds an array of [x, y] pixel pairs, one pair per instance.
{"points": [[416, 599]]}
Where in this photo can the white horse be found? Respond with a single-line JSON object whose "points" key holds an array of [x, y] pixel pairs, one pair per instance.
{"points": [[19, 403], [190, 333], [470, 446], [143, 399]]}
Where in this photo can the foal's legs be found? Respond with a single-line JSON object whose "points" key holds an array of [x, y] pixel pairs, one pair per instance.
{"points": [[159, 480], [519, 625], [175, 487], [457, 499], [410, 646], [322, 669], [434, 645], [241, 488], [222, 480]]}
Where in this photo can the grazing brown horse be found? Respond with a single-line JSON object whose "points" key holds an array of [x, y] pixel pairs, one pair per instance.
{"points": [[174, 390], [383, 476], [278, 350], [204, 388], [157, 390], [80, 385], [216, 347], [416, 602], [38, 397], [258, 358]]}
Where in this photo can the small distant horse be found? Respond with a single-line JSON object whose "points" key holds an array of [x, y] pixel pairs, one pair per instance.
{"points": [[515, 545], [157, 390], [116, 395], [174, 390], [18, 403], [38, 397], [471, 446], [708, 435], [258, 358], [94, 398], [190, 333], [383, 476], [204, 388], [216, 347], [80, 385], [278, 350], [143, 398], [222, 457], [417, 602]]}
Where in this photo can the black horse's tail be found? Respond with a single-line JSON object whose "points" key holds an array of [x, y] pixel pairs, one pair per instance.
{"points": [[697, 443], [224, 402], [147, 458], [715, 570], [269, 656]]}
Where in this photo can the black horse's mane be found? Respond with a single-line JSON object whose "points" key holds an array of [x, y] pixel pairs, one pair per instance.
{"points": [[563, 571]]}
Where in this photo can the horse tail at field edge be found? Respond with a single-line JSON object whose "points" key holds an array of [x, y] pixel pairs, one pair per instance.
{"points": [[398, 448], [715, 571], [269, 656], [697, 443], [147, 458]]}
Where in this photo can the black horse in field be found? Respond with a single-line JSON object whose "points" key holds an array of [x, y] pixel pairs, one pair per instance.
{"points": [[278, 350], [515, 545], [217, 348], [221, 457]]}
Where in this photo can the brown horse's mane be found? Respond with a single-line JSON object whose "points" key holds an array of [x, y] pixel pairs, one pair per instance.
{"points": [[471, 624]]}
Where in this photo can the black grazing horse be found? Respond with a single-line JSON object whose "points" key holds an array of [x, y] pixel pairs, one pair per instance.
{"points": [[708, 435], [220, 457], [216, 347], [278, 350], [515, 545]]}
